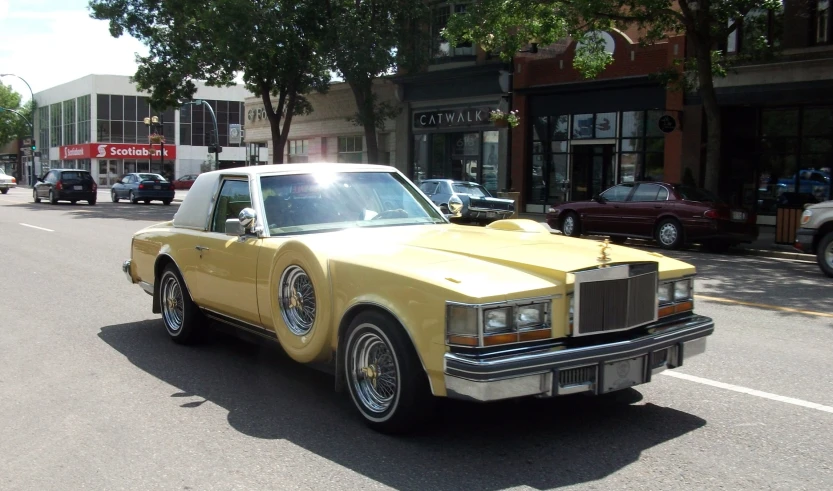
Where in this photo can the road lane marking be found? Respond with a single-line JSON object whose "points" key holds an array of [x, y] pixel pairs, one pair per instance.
{"points": [[751, 392], [762, 306], [39, 228]]}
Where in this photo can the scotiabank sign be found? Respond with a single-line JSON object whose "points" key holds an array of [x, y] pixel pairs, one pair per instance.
{"points": [[121, 151]]}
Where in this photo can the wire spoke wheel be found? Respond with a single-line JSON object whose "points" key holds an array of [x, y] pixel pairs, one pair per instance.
{"points": [[297, 300], [373, 372], [173, 306]]}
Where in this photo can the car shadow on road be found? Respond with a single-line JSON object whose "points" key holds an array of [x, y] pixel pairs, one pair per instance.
{"points": [[537, 443], [153, 212]]}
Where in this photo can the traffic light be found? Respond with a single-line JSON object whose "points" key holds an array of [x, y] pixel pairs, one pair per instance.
{"points": [[215, 149], [34, 146]]}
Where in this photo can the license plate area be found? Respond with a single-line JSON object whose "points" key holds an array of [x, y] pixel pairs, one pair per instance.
{"points": [[738, 216], [490, 214], [77, 188], [157, 187], [621, 374]]}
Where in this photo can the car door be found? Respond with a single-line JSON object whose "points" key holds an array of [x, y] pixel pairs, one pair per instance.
{"points": [[48, 182], [602, 216], [224, 279], [640, 212]]}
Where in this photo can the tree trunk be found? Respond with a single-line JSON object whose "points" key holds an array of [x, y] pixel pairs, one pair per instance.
{"points": [[274, 116], [713, 122], [363, 92]]}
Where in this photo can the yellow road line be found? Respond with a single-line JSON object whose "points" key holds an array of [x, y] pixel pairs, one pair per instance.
{"points": [[762, 306]]}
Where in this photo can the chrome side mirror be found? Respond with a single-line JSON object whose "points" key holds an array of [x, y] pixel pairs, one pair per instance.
{"points": [[247, 218]]}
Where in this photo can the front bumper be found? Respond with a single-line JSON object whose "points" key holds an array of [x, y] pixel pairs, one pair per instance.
{"points": [[804, 240], [487, 214], [596, 369]]}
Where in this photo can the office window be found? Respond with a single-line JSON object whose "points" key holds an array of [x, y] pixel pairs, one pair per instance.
{"points": [[297, 151], [350, 149]]}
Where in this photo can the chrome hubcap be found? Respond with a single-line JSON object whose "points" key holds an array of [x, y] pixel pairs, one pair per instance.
{"points": [[297, 300], [373, 372], [569, 224], [828, 255], [172, 304], [668, 234]]}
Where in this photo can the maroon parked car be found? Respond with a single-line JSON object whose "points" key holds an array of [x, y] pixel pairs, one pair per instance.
{"points": [[671, 214]]}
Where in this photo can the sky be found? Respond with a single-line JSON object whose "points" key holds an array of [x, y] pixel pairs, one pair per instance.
{"points": [[50, 42]]}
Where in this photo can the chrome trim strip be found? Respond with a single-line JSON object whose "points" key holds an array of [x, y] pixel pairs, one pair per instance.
{"points": [[480, 369], [125, 268], [147, 287], [241, 324]]}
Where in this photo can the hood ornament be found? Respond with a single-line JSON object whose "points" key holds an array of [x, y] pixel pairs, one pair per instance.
{"points": [[604, 254]]}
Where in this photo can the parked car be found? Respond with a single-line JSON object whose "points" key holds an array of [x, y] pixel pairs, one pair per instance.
{"points": [[671, 214], [185, 182], [71, 185], [467, 200], [815, 235], [6, 182], [143, 186], [349, 265]]}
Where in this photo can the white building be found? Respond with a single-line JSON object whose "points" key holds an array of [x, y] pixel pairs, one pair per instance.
{"points": [[97, 123]]}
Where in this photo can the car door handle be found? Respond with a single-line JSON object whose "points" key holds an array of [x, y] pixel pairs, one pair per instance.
{"points": [[657, 206], [201, 248]]}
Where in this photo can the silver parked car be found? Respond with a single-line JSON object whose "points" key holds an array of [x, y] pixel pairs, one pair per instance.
{"points": [[467, 200]]}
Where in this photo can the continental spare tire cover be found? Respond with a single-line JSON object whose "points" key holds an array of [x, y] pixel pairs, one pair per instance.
{"points": [[301, 304]]}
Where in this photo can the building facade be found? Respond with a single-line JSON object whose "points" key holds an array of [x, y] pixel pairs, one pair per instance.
{"points": [[777, 115], [578, 137], [326, 134], [97, 123]]}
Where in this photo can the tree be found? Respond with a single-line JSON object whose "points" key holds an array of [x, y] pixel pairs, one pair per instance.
{"points": [[509, 25], [12, 126], [275, 44], [365, 35]]}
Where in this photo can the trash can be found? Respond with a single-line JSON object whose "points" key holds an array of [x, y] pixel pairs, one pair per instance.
{"points": [[789, 208], [514, 196]]}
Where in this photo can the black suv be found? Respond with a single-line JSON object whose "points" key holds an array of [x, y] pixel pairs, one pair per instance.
{"points": [[66, 185]]}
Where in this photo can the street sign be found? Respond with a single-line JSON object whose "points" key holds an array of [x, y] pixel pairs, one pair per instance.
{"points": [[27, 142], [234, 134]]}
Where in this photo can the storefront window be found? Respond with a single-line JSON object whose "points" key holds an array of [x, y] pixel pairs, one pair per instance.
{"points": [[421, 157], [550, 173], [642, 147]]}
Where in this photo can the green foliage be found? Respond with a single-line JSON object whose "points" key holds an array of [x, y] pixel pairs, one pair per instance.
{"points": [[370, 39], [277, 46], [13, 126]]}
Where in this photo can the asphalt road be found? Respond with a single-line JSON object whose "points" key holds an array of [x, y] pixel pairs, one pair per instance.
{"points": [[94, 396]]}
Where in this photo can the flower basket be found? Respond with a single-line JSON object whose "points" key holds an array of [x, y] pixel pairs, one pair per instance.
{"points": [[156, 138], [503, 120]]}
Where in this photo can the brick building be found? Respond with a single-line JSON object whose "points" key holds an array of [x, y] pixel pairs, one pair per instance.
{"points": [[325, 135], [578, 136]]}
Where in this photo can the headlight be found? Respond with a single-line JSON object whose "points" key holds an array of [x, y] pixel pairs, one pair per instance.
{"points": [[496, 320], [493, 324], [664, 293], [682, 290], [455, 204], [805, 217], [529, 316]]}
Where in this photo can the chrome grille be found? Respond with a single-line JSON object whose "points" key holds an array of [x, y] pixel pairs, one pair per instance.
{"points": [[576, 376], [615, 298]]}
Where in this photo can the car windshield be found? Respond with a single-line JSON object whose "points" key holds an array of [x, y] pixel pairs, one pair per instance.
{"points": [[151, 177], [475, 190], [697, 194], [2, 172], [322, 202]]}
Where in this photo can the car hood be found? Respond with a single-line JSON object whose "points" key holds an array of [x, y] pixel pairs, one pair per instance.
{"points": [[822, 205], [480, 262]]}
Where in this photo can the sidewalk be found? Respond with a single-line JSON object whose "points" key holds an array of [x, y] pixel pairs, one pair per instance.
{"points": [[765, 246]]}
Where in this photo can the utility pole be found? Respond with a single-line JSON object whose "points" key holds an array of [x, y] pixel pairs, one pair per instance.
{"points": [[215, 146]]}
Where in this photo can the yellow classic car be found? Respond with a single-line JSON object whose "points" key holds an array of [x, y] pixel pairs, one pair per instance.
{"points": [[354, 267]]}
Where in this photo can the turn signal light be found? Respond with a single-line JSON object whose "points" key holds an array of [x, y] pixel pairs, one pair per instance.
{"points": [[675, 309]]}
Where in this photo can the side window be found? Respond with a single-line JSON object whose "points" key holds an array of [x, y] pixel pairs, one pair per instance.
{"points": [[663, 194], [429, 188], [234, 196], [645, 192], [52, 177], [444, 188], [618, 193]]}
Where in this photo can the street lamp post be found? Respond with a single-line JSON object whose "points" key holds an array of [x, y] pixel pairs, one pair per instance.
{"points": [[31, 125], [216, 144], [154, 123]]}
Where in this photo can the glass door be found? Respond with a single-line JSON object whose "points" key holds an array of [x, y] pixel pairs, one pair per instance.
{"points": [[592, 170]]}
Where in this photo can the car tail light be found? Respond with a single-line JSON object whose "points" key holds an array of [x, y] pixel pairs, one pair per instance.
{"points": [[716, 214], [59, 185], [141, 186], [14, 181], [172, 187], [95, 186]]}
